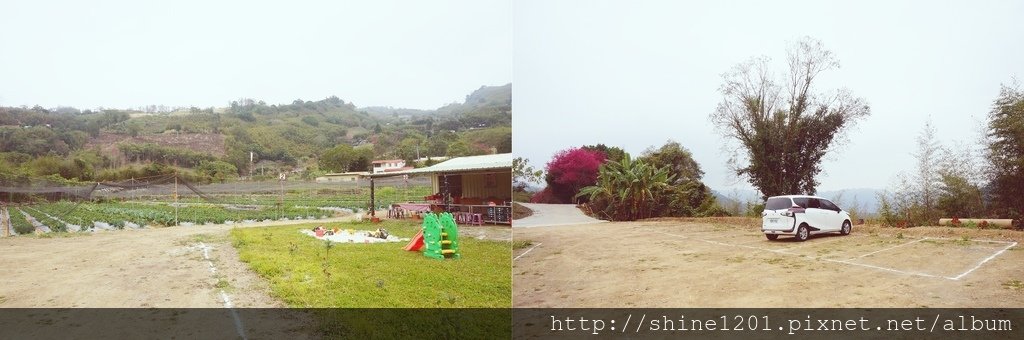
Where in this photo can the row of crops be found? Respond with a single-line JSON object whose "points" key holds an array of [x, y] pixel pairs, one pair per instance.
{"points": [[20, 224], [272, 200], [46, 219], [159, 210], [69, 216], [354, 199]]}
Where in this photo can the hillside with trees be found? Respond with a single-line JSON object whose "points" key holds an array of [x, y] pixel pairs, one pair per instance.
{"points": [[249, 136]]}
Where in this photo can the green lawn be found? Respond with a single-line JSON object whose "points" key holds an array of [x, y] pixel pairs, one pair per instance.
{"points": [[375, 275]]}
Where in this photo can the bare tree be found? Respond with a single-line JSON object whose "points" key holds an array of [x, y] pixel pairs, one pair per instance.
{"points": [[927, 180], [784, 130]]}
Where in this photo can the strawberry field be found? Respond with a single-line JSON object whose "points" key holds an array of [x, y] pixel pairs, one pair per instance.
{"points": [[238, 203], [71, 216]]}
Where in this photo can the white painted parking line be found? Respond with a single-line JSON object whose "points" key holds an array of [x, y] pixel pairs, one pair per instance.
{"points": [[819, 241], [752, 242], [848, 262], [971, 240], [699, 234], [223, 295], [887, 269], [890, 248], [985, 260], [729, 245], [527, 251], [719, 237]]}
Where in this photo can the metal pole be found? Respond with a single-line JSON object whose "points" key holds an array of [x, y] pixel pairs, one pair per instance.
{"points": [[280, 198], [446, 195], [175, 198], [373, 212]]}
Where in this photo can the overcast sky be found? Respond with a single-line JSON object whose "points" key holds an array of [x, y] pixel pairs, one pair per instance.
{"points": [[635, 74], [414, 54]]}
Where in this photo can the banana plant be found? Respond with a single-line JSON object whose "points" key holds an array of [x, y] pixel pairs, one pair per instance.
{"points": [[625, 189]]}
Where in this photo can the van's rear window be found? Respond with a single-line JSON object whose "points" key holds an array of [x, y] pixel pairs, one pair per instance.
{"points": [[776, 203]]}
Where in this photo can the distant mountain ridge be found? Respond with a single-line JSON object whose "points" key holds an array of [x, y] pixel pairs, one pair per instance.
{"points": [[112, 144], [864, 198], [494, 98]]}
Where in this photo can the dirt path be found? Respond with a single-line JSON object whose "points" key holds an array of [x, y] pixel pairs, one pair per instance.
{"points": [[708, 264], [160, 267]]}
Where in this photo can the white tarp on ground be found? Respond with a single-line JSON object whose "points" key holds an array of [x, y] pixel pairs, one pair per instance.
{"points": [[357, 236]]}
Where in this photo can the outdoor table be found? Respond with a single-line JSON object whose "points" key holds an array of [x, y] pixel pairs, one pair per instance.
{"points": [[417, 207], [401, 209], [491, 213]]}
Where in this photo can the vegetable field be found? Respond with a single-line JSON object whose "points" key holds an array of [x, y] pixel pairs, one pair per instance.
{"points": [[143, 208]]}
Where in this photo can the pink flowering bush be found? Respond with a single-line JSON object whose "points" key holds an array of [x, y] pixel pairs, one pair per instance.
{"points": [[571, 170]]}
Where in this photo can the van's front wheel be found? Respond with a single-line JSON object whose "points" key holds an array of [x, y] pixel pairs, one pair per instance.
{"points": [[772, 237], [846, 228]]}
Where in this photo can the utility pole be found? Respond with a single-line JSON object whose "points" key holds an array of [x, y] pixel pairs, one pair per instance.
{"points": [[280, 198]]}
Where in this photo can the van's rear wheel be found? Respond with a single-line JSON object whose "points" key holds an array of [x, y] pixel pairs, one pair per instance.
{"points": [[803, 234], [772, 237]]}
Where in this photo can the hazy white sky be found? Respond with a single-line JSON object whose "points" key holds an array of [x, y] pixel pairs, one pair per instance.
{"points": [[415, 54], [630, 74], [635, 74]]}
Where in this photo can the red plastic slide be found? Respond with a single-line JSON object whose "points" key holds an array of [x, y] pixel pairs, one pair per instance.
{"points": [[416, 244]]}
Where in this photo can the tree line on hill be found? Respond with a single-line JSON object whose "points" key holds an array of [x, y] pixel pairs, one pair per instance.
{"points": [[312, 137]]}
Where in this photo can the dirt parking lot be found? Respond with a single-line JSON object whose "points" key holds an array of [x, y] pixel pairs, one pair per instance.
{"points": [[729, 263]]}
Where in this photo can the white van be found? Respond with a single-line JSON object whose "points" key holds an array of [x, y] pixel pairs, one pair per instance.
{"points": [[801, 216]]}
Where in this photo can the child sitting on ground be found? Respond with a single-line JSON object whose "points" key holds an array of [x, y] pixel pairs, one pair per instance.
{"points": [[380, 233], [320, 227]]}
